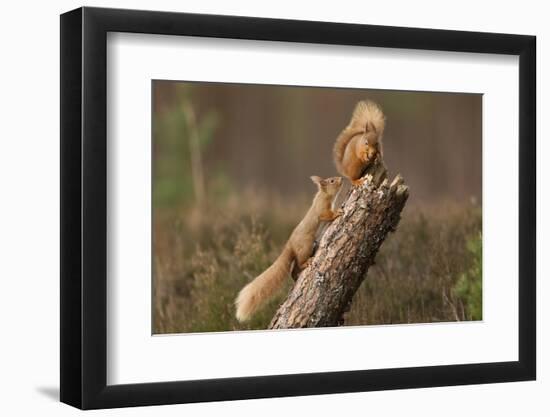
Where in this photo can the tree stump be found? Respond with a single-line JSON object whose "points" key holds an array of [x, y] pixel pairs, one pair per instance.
{"points": [[324, 290]]}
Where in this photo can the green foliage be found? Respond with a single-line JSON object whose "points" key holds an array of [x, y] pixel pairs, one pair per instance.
{"points": [[417, 268], [429, 270], [469, 286], [172, 176], [220, 187]]}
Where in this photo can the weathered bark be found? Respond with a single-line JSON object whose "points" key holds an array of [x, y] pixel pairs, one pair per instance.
{"points": [[324, 290]]}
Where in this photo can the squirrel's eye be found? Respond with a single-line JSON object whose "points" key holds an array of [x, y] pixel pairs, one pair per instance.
{"points": [[332, 181]]}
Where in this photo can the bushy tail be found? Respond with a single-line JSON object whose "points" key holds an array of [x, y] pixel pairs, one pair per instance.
{"points": [[264, 286], [367, 117]]}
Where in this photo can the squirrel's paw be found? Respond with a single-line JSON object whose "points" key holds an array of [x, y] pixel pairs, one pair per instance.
{"points": [[338, 213], [359, 182]]}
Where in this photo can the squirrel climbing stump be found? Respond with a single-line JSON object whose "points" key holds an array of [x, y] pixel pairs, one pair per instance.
{"points": [[324, 290]]}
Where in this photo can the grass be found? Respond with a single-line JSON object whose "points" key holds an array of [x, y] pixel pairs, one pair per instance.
{"points": [[429, 270]]}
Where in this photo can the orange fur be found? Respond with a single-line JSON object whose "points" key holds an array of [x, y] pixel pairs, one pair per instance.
{"points": [[253, 295], [297, 250], [360, 143]]}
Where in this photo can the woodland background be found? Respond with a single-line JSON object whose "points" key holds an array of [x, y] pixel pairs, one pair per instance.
{"points": [[231, 180]]}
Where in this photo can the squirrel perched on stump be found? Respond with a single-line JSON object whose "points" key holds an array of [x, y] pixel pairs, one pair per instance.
{"points": [[360, 143], [297, 250]]}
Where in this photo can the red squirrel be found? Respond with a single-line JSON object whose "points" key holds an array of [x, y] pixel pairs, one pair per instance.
{"points": [[298, 250], [360, 143]]}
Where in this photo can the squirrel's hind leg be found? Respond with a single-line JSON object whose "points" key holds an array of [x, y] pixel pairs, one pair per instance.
{"points": [[306, 263]]}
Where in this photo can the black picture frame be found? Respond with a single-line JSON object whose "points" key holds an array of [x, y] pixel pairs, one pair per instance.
{"points": [[84, 207]]}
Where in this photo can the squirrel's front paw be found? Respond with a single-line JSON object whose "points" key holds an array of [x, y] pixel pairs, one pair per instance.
{"points": [[358, 182], [338, 213]]}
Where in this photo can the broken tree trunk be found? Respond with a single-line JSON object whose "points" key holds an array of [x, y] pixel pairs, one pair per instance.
{"points": [[324, 290]]}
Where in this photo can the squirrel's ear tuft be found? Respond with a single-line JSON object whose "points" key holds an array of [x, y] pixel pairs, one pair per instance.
{"points": [[316, 180], [370, 127]]}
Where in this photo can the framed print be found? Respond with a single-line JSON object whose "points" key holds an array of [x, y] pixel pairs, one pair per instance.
{"points": [[257, 208]]}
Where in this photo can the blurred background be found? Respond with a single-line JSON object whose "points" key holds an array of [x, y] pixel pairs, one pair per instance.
{"points": [[276, 137], [231, 167]]}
